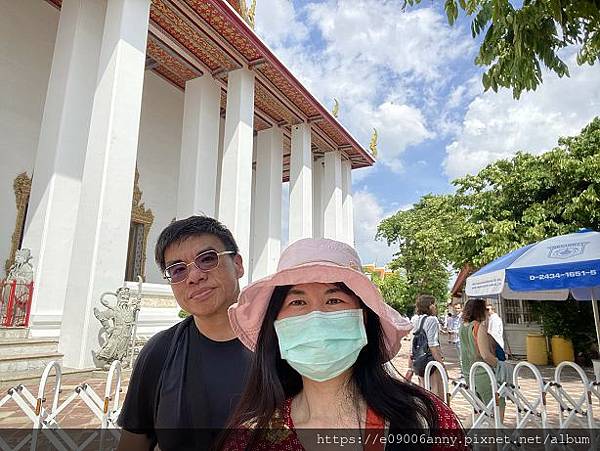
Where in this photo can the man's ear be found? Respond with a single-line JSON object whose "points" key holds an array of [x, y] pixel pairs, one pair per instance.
{"points": [[238, 265]]}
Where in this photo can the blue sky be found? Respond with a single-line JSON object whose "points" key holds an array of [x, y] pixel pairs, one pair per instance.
{"points": [[412, 77]]}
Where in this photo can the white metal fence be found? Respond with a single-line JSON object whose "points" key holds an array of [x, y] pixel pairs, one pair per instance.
{"points": [[574, 408], [44, 411]]}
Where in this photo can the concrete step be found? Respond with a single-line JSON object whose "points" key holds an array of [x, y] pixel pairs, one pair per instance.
{"points": [[31, 379], [18, 346], [27, 362], [14, 332]]}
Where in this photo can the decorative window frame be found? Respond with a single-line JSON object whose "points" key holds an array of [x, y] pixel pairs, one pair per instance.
{"points": [[141, 215]]}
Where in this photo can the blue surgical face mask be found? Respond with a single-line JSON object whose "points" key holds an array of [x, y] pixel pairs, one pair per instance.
{"points": [[322, 345]]}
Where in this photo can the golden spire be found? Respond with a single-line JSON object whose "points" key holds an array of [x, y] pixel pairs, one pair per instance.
{"points": [[373, 143], [336, 108]]}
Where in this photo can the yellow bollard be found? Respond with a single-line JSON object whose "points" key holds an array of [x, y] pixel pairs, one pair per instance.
{"points": [[562, 350], [537, 351]]}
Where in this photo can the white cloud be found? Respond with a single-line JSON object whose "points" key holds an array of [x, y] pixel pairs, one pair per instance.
{"points": [[277, 23], [416, 42], [496, 126], [368, 213], [373, 57]]}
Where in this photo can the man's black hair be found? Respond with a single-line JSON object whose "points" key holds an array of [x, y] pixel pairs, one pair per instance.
{"points": [[178, 231]]}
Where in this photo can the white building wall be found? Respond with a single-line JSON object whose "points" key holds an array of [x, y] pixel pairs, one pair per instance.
{"points": [[158, 158], [27, 33]]}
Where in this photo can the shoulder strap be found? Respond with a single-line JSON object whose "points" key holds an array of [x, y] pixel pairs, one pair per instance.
{"points": [[169, 390], [375, 425], [475, 332], [422, 324]]}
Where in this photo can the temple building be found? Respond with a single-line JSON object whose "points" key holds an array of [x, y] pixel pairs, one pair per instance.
{"points": [[119, 116]]}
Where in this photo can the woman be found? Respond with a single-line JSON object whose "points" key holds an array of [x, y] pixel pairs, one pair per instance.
{"points": [[321, 335], [425, 324], [476, 346]]}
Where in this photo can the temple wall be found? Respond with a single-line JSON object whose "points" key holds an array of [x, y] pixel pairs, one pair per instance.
{"points": [[158, 158], [30, 27], [27, 35]]}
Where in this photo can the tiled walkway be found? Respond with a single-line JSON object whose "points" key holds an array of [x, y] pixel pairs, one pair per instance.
{"points": [[78, 415]]}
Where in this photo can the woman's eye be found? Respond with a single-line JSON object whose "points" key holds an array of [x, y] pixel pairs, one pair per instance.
{"points": [[334, 301], [297, 302]]}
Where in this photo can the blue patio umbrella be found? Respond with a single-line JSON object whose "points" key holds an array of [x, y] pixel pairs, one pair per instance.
{"points": [[551, 269]]}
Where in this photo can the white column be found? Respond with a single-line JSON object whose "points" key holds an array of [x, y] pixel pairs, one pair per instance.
{"points": [[267, 219], [220, 163], [332, 189], [300, 222], [56, 184], [102, 230], [236, 172], [347, 209], [197, 191], [318, 171]]}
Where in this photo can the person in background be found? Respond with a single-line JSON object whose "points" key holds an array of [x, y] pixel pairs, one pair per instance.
{"points": [[453, 322], [496, 329], [477, 346], [426, 322]]}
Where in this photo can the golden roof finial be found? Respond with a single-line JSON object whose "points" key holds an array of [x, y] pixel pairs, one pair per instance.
{"points": [[336, 108], [373, 143], [252, 14], [248, 14]]}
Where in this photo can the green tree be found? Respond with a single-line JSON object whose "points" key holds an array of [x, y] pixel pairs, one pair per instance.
{"points": [[520, 37], [394, 289], [425, 235], [511, 203]]}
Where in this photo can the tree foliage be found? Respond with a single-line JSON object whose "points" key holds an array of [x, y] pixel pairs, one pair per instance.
{"points": [[425, 236], [517, 41], [508, 204], [394, 289], [511, 203]]}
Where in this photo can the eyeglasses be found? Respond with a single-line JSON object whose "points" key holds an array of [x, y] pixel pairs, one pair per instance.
{"points": [[205, 261]]}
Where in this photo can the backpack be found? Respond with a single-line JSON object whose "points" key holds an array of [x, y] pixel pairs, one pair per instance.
{"points": [[421, 354]]}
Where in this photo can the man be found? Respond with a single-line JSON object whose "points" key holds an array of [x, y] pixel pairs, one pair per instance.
{"points": [[495, 329], [453, 322], [187, 379]]}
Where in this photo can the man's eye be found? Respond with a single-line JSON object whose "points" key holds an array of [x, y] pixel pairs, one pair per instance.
{"points": [[297, 302], [334, 301], [175, 270]]}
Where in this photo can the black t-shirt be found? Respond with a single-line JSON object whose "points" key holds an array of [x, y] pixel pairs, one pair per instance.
{"points": [[215, 378]]}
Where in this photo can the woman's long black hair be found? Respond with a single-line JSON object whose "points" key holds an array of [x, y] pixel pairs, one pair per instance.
{"points": [[272, 380]]}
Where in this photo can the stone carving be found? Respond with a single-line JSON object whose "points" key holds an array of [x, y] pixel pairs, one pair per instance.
{"points": [[119, 323], [336, 108], [22, 269], [373, 143]]}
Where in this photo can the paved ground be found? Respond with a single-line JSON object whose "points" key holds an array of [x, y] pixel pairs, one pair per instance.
{"points": [[570, 381], [78, 415]]}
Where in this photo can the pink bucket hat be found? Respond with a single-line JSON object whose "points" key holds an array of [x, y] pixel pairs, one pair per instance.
{"points": [[315, 261]]}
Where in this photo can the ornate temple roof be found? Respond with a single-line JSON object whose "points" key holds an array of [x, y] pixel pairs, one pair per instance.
{"points": [[188, 38]]}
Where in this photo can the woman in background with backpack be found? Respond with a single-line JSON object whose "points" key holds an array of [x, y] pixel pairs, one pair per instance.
{"points": [[426, 343]]}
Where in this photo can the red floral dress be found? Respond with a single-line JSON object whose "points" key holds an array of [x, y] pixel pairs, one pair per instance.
{"points": [[281, 434]]}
